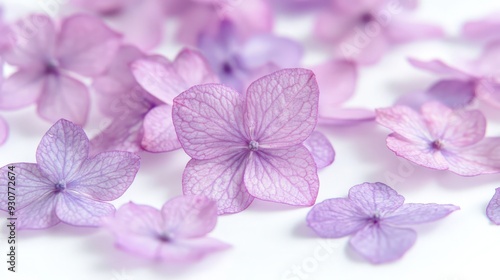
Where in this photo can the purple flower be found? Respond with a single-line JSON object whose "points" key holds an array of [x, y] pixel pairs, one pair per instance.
{"points": [[493, 208], [365, 30], [141, 106], [45, 59], [65, 185], [337, 82], [246, 146], [4, 131], [140, 21], [176, 233], [375, 216], [442, 139], [238, 63]]}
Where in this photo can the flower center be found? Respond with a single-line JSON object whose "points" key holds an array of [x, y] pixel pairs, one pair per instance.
{"points": [[164, 238], [375, 219], [227, 68], [253, 145], [51, 68], [367, 18], [61, 186], [436, 145]]}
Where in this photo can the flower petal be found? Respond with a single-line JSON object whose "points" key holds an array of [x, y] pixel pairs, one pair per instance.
{"points": [[406, 31], [382, 244], [62, 151], [159, 131], [209, 106], [375, 199], [486, 28], [4, 131], [220, 179], [418, 213], [189, 216], [189, 250], [193, 68], [282, 108], [342, 116], [262, 49], [21, 89], [441, 68], [321, 149], [405, 122], [106, 176], [337, 81], [453, 93], [84, 54], [493, 209], [283, 175], [39, 214], [79, 210], [481, 158], [336, 217], [64, 97]]}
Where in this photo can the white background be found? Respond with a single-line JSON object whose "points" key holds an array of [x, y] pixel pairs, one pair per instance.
{"points": [[268, 239]]}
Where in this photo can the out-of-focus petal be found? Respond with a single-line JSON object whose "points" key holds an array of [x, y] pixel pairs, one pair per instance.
{"points": [[383, 243], [375, 198], [321, 149], [21, 89], [84, 54], [337, 82], [441, 68], [453, 93], [189, 250], [159, 131], [336, 217], [493, 209], [404, 32], [4, 131], [418, 213], [344, 116], [283, 175], [282, 108], [482, 29], [267, 48], [193, 68], [220, 179]]}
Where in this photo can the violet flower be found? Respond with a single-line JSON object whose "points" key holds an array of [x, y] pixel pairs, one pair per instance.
{"points": [[364, 30], [140, 21], [65, 185], [142, 104], [442, 139], [174, 234], [376, 218], [46, 60], [238, 63], [250, 146]]}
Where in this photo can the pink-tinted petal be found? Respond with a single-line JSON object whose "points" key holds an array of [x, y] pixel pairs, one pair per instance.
{"points": [[441, 68], [64, 97], [21, 89], [189, 250], [84, 54], [489, 91], [62, 151], [35, 37], [375, 199], [405, 122], [342, 116], [493, 209], [189, 216], [283, 175], [282, 108], [366, 53], [321, 149], [4, 131], [337, 81], [383, 243], [220, 179], [404, 32], [39, 214], [333, 27], [266, 48], [487, 62], [193, 68], [159, 131], [209, 106], [100, 6], [418, 213], [106, 176], [336, 217], [79, 210], [453, 93], [30, 185], [486, 28], [481, 158]]}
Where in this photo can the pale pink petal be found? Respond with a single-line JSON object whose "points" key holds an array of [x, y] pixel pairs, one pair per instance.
{"points": [[337, 82], [283, 175], [282, 108], [489, 91], [34, 42], [405, 31], [220, 179], [336, 217], [453, 93], [62, 151], [190, 250], [80, 210], [441, 68], [405, 122], [100, 5], [418, 213], [481, 158], [193, 68], [342, 116], [84, 54], [486, 28], [4, 131], [210, 106], [189, 216], [267, 48], [369, 51], [39, 214], [375, 198], [493, 209], [333, 27], [106, 176], [21, 89], [383, 243], [64, 97], [159, 131], [487, 62], [321, 149]]}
